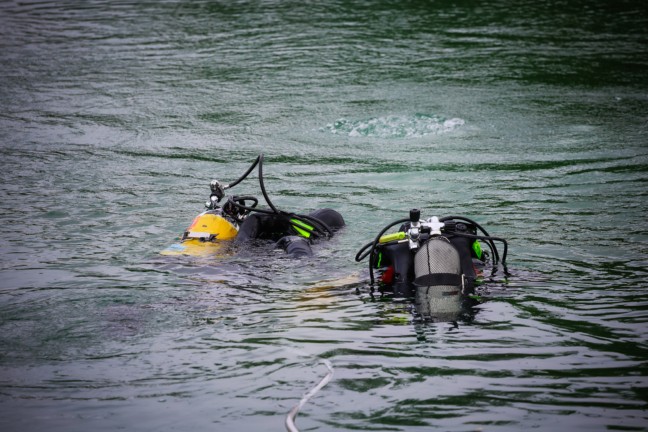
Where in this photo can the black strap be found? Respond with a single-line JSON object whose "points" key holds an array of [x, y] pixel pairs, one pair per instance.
{"points": [[437, 279]]}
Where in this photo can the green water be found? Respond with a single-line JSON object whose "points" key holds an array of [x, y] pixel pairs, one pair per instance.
{"points": [[530, 117]]}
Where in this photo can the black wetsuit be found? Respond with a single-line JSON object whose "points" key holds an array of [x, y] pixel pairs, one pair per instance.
{"points": [[278, 227]]}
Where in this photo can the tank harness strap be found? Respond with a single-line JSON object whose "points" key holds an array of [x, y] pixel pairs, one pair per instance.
{"points": [[438, 279]]}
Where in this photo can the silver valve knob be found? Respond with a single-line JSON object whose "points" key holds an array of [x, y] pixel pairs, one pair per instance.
{"points": [[213, 202], [217, 189], [415, 228]]}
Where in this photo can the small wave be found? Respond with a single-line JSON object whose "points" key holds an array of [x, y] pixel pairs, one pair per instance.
{"points": [[415, 126]]}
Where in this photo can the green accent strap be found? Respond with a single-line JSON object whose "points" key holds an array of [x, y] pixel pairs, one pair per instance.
{"points": [[379, 259], [302, 228], [477, 249]]}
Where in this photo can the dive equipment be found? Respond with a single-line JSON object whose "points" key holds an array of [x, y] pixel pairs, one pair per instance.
{"points": [[440, 256], [223, 222]]}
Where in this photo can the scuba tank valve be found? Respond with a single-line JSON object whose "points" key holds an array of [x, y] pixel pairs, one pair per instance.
{"points": [[414, 230], [217, 194]]}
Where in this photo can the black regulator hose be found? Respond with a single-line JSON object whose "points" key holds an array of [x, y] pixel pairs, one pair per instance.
{"points": [[241, 199], [320, 228], [247, 173], [465, 219], [248, 208], [488, 239], [375, 243], [263, 191], [360, 256], [323, 229]]}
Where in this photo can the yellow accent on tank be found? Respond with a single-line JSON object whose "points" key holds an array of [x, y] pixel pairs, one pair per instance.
{"points": [[204, 235]]}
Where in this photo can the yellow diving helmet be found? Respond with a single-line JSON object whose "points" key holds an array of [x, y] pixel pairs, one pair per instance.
{"points": [[209, 229], [204, 235]]}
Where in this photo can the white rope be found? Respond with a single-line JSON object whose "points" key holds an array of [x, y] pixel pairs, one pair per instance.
{"points": [[290, 418]]}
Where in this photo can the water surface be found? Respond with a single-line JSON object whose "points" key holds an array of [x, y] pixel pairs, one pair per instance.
{"points": [[531, 118]]}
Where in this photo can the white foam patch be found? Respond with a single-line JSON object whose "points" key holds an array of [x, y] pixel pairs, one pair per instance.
{"points": [[415, 126]]}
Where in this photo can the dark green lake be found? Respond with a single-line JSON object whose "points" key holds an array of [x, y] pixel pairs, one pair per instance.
{"points": [[530, 117]]}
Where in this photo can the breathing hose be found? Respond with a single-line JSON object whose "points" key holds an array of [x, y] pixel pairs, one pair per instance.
{"points": [[489, 239], [375, 243], [323, 229], [247, 173], [319, 227], [490, 243], [263, 191]]}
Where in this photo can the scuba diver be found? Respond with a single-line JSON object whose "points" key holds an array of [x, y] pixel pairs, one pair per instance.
{"points": [[292, 233], [240, 220], [437, 261]]}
